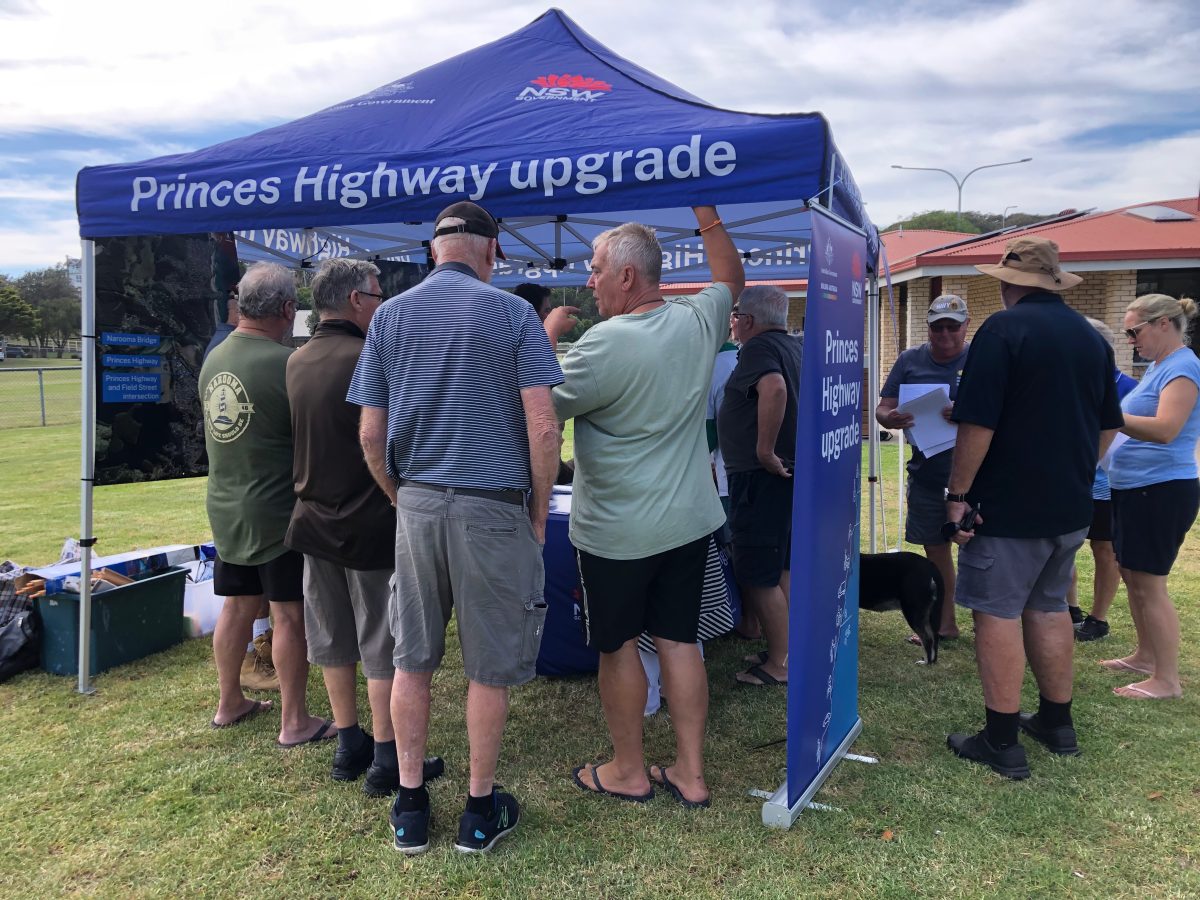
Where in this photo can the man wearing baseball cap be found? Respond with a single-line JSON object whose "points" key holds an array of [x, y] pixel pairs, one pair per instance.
{"points": [[1036, 408], [940, 360], [458, 429]]}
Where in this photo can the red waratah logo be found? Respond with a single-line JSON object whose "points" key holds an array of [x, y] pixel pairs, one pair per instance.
{"points": [[856, 266], [577, 88]]}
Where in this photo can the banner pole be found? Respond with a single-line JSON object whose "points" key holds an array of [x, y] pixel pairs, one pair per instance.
{"points": [[873, 395], [87, 457]]}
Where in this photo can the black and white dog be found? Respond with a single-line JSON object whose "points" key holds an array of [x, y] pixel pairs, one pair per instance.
{"points": [[910, 583]]}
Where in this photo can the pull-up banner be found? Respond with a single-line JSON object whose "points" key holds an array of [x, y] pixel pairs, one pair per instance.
{"points": [[822, 705]]}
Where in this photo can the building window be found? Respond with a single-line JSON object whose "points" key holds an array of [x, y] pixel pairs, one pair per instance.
{"points": [[1173, 283]]}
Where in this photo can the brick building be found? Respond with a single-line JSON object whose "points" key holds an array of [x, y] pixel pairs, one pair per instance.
{"points": [[1147, 248]]}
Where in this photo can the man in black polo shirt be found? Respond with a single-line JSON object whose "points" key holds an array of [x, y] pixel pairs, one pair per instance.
{"points": [[1036, 408]]}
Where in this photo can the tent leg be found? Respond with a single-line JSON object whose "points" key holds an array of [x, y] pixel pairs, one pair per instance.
{"points": [[872, 393], [87, 457]]}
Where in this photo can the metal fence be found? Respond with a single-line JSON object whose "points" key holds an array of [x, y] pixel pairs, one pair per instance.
{"points": [[35, 396]]}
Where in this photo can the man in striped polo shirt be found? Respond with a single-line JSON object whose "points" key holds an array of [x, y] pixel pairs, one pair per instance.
{"points": [[458, 428], [645, 504]]}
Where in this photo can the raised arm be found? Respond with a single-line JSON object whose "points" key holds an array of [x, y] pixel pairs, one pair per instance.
{"points": [[1175, 404], [723, 259]]}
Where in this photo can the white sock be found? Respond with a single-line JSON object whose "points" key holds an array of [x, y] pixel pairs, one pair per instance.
{"points": [[261, 626]]}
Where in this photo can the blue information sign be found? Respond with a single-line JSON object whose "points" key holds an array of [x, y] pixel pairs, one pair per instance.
{"points": [[823, 639], [133, 360], [131, 387], [125, 339]]}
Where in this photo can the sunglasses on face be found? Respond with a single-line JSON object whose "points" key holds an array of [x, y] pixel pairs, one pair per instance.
{"points": [[939, 327], [1131, 333]]}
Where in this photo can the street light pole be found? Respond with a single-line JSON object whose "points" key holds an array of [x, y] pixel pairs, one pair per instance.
{"points": [[959, 182], [1004, 216]]}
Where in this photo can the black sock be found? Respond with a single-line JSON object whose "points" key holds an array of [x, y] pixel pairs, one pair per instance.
{"points": [[351, 737], [482, 806], [411, 799], [1076, 614], [1001, 730], [1054, 715], [385, 756]]}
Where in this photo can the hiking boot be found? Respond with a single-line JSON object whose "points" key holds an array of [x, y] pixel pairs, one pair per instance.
{"points": [[1092, 629], [349, 764], [258, 675], [382, 782], [479, 834], [410, 830], [1060, 740], [1009, 762]]}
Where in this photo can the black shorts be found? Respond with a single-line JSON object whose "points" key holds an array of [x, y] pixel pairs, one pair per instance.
{"points": [[1102, 521], [280, 581], [1150, 523], [760, 519], [659, 594]]}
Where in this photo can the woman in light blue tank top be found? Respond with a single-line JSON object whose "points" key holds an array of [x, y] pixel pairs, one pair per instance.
{"points": [[1155, 491]]}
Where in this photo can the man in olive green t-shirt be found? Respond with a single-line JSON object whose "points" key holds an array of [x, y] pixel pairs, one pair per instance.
{"points": [[645, 503], [248, 435]]}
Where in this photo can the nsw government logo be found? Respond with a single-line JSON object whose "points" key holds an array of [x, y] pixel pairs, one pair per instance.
{"points": [[574, 88], [227, 409]]}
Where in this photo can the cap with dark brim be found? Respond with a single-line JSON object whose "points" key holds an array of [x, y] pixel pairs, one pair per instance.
{"points": [[475, 220]]}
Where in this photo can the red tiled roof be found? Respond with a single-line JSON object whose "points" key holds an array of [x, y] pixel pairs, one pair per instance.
{"points": [[905, 243], [1113, 235]]}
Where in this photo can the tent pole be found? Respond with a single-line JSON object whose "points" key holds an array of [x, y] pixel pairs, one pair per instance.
{"points": [[87, 456], [872, 394]]}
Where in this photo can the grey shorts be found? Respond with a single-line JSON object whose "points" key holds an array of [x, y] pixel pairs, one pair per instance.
{"points": [[1003, 577], [926, 514], [478, 558], [346, 617]]}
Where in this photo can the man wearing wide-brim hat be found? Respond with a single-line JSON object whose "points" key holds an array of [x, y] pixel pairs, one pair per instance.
{"points": [[1036, 408]]}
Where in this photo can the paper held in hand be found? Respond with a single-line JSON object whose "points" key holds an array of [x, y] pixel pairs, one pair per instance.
{"points": [[931, 433]]}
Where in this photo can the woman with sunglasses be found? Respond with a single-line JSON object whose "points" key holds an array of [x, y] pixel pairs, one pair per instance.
{"points": [[1155, 492]]}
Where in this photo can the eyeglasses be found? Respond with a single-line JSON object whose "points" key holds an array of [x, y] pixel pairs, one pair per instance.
{"points": [[740, 315], [1131, 333], [378, 297], [945, 326]]}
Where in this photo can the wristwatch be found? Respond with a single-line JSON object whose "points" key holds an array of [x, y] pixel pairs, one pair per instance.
{"points": [[953, 498]]}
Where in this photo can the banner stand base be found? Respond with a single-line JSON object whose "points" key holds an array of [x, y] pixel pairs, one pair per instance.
{"points": [[777, 814]]}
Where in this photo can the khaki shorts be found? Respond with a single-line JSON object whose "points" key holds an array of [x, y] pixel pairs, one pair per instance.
{"points": [[476, 557], [346, 617], [1003, 577]]}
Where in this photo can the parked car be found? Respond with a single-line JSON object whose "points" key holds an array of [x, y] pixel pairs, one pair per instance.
{"points": [[15, 352]]}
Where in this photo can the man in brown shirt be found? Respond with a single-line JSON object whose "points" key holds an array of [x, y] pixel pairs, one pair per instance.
{"points": [[343, 524]]}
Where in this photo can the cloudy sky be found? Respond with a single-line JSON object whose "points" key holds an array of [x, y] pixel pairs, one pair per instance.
{"points": [[1103, 94]]}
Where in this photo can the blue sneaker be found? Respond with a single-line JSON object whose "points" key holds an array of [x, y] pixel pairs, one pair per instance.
{"points": [[478, 834], [411, 830]]}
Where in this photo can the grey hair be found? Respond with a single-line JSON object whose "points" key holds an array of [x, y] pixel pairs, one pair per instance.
{"points": [[264, 289], [632, 244], [1162, 306], [336, 278], [767, 303], [460, 246], [1104, 330]]}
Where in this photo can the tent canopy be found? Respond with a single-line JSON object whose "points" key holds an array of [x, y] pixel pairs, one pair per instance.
{"points": [[548, 129]]}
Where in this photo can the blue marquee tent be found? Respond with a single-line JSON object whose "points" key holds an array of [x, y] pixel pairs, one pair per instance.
{"points": [[559, 138]]}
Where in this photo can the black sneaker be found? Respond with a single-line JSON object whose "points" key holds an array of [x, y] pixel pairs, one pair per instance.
{"points": [[382, 782], [348, 765], [1009, 762], [1059, 740], [478, 834], [1092, 629], [1076, 615], [410, 830]]}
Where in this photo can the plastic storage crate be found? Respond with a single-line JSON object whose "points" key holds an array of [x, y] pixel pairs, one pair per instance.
{"points": [[128, 623]]}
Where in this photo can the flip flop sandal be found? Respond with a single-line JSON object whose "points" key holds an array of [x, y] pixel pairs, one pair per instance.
{"points": [[321, 734], [1144, 694], [1119, 665], [602, 791], [674, 791], [765, 678], [259, 706], [758, 658]]}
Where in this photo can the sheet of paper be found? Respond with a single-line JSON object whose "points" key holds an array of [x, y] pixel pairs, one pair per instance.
{"points": [[931, 433], [1117, 441]]}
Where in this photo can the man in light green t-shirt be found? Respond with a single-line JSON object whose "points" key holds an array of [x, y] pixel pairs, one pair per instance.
{"points": [[248, 435], [644, 500]]}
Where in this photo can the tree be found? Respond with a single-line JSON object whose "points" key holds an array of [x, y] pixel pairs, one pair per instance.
{"points": [[971, 222], [16, 316], [54, 298]]}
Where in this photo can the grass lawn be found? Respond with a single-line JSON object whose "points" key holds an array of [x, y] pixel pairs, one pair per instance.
{"points": [[21, 400], [129, 793]]}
